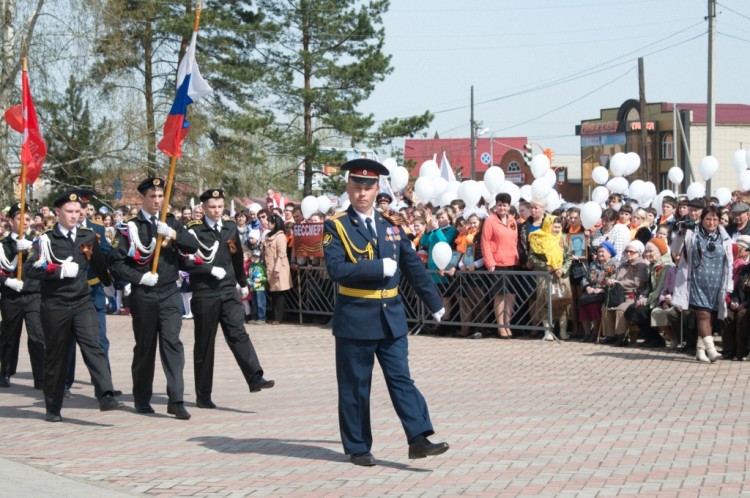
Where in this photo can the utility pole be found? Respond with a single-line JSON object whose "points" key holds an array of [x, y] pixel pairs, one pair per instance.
{"points": [[473, 126], [710, 104], [650, 175]]}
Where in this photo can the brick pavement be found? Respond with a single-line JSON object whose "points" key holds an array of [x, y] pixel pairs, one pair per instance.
{"points": [[524, 418]]}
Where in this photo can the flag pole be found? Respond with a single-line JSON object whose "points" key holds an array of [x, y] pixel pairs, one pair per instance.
{"points": [[172, 167], [22, 212]]}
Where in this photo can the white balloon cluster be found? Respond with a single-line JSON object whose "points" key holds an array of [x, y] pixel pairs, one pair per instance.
{"points": [[311, 205]]}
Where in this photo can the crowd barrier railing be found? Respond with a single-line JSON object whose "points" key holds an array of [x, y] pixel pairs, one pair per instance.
{"points": [[469, 298]]}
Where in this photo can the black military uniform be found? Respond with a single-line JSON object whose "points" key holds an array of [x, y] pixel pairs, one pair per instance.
{"points": [[17, 308], [216, 301], [66, 308], [156, 310]]}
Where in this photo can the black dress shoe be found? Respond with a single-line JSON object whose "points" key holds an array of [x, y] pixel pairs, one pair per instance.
{"points": [[363, 459], [38, 385], [608, 340], [147, 408], [424, 448], [109, 403], [206, 403], [261, 383], [116, 393], [178, 410], [53, 417], [4, 381]]}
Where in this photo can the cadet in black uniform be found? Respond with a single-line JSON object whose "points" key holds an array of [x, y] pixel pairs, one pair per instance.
{"points": [[215, 271], [154, 300], [20, 302], [366, 252], [60, 259]]}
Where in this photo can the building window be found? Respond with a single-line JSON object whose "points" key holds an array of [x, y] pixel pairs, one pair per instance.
{"points": [[562, 175], [667, 146], [514, 167]]}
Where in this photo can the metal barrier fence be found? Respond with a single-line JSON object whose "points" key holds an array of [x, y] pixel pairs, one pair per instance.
{"points": [[469, 299]]}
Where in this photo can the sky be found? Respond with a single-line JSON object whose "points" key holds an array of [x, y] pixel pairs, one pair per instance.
{"points": [[540, 67]]}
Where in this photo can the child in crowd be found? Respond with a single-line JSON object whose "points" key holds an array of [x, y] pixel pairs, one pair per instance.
{"points": [[248, 301], [186, 293], [253, 240], [257, 280]]}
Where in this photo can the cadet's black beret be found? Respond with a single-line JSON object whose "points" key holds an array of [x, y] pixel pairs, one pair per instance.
{"points": [[150, 183], [364, 171], [15, 208], [78, 195], [213, 193]]}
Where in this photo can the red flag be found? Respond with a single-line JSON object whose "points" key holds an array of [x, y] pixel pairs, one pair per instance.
{"points": [[33, 150], [14, 118]]}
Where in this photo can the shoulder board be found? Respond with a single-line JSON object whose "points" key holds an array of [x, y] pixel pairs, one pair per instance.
{"points": [[96, 223], [193, 223], [226, 218], [49, 230], [87, 229], [337, 215], [170, 215], [131, 218]]}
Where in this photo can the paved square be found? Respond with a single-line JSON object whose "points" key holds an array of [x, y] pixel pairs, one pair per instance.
{"points": [[523, 418]]}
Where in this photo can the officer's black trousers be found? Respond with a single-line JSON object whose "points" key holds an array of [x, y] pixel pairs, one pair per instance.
{"points": [[15, 310]]}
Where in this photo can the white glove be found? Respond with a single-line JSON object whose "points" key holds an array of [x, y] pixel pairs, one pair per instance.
{"points": [[149, 279], [126, 291], [165, 230], [109, 291], [438, 315], [23, 244], [219, 273], [15, 284], [244, 292], [69, 269], [389, 267]]}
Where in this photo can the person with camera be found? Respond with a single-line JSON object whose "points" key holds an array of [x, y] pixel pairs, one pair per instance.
{"points": [[704, 277]]}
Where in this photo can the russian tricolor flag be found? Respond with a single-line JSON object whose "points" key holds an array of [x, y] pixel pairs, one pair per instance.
{"points": [[190, 88]]}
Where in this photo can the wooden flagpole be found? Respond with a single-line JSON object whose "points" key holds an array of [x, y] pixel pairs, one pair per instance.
{"points": [[21, 228], [172, 167]]}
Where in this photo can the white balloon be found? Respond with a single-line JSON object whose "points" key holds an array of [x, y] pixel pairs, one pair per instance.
{"points": [[454, 185], [442, 254], [551, 177], [309, 206], [440, 185], [649, 193], [600, 195], [254, 207], [744, 180], [634, 162], [486, 195], [324, 204], [429, 169], [399, 178], [494, 178], [345, 205], [618, 164], [513, 190], [540, 188], [343, 198], [709, 166], [470, 193], [636, 190], [618, 185], [695, 190], [539, 165], [447, 198], [391, 164], [600, 175], [591, 213], [747, 158], [724, 195], [739, 160], [553, 200], [424, 188], [675, 174], [526, 193]]}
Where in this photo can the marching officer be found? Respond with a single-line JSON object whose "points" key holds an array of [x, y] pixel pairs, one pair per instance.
{"points": [[366, 253], [60, 259], [155, 304], [19, 303], [216, 270]]}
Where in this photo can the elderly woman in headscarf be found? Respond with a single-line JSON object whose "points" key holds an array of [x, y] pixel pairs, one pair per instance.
{"points": [[632, 275], [592, 298], [549, 251]]}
